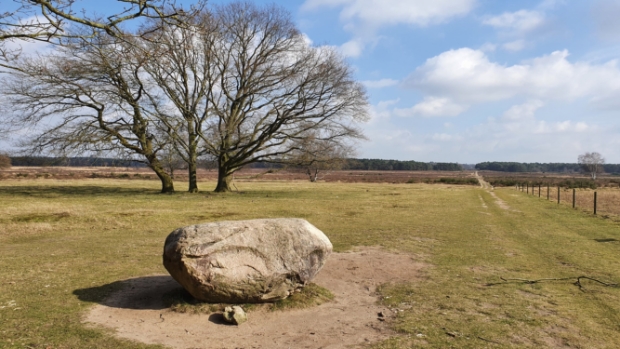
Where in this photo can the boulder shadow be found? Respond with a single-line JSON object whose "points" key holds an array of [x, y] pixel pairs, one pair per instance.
{"points": [[143, 293], [218, 319]]}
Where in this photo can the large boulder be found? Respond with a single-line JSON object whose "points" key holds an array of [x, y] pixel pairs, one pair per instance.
{"points": [[252, 261]]}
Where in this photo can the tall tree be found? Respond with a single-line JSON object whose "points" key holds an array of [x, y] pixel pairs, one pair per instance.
{"points": [[181, 69], [271, 88], [591, 163], [88, 95], [239, 84]]}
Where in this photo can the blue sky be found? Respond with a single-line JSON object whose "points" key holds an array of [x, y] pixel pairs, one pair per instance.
{"points": [[477, 80]]}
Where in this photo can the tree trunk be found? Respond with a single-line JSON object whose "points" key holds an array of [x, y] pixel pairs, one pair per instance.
{"points": [[192, 156], [193, 177], [313, 177], [167, 184], [224, 180]]}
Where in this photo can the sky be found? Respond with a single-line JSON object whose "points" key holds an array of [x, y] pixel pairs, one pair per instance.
{"points": [[469, 81]]}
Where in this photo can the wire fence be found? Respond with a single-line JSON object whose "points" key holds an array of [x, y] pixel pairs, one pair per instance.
{"points": [[599, 202]]}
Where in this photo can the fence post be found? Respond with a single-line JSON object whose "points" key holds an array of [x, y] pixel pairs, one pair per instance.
{"points": [[573, 197], [527, 188], [539, 190], [594, 203], [547, 191], [558, 194]]}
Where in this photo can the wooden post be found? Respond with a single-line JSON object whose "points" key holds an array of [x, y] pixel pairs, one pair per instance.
{"points": [[547, 191], [558, 194], [527, 188], [573, 197], [539, 190], [594, 203]]}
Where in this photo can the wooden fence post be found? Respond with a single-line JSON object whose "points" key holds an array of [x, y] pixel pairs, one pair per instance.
{"points": [[573, 197], [558, 194], [539, 190], [594, 203], [547, 191], [527, 188]]}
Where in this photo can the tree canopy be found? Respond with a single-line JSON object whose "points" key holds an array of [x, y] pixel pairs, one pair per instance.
{"points": [[236, 83]]}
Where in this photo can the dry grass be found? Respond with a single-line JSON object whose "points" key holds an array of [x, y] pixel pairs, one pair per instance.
{"points": [[243, 176], [608, 199], [66, 245]]}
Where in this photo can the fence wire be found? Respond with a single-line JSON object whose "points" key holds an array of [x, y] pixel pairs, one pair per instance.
{"points": [[607, 199]]}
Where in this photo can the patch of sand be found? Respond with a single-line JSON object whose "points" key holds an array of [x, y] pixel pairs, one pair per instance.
{"points": [[137, 311]]}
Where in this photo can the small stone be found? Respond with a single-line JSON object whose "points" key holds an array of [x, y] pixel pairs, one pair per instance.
{"points": [[235, 315]]}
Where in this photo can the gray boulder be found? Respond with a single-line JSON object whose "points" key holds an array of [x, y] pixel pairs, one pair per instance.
{"points": [[252, 261]]}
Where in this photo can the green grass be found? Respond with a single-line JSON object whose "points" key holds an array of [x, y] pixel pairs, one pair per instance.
{"points": [[66, 245]]}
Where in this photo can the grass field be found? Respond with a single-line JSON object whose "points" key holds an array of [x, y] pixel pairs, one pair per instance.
{"points": [[65, 245]]}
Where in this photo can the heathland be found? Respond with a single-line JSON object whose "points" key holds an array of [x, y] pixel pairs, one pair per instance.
{"points": [[65, 244]]}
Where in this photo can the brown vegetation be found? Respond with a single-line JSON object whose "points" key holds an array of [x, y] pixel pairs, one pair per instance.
{"points": [[5, 161], [246, 175]]}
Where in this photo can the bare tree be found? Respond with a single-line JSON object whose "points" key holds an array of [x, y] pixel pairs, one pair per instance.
{"points": [[591, 163], [88, 96], [239, 84], [182, 71], [314, 156], [271, 89]]}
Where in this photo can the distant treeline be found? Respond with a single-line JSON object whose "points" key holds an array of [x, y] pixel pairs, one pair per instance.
{"points": [[539, 167], [73, 161], [349, 164], [397, 165]]}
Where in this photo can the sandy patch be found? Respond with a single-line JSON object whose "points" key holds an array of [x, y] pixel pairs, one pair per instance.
{"points": [[501, 203], [137, 311]]}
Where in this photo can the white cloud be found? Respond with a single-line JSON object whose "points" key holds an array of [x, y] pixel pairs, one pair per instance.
{"points": [[391, 12], [363, 18], [543, 127], [518, 26], [381, 111], [520, 22], [515, 46], [524, 111], [488, 47], [468, 76], [432, 107], [380, 83], [352, 48]]}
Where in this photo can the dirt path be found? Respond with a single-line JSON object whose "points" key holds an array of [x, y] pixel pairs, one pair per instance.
{"points": [[489, 188], [137, 312]]}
